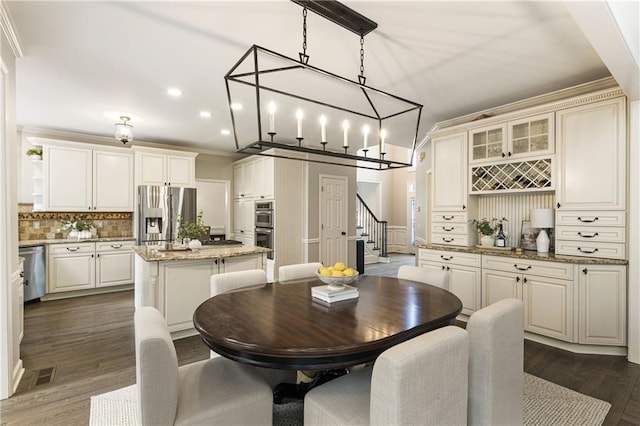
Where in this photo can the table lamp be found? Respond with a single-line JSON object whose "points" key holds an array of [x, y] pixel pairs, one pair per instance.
{"points": [[543, 219]]}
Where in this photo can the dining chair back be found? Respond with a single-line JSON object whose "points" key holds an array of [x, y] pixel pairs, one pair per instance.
{"points": [[424, 275], [298, 271], [215, 391], [420, 381], [496, 363], [229, 281]]}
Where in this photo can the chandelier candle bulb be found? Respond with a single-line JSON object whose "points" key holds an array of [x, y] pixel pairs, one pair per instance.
{"points": [[299, 116], [323, 128], [365, 132], [345, 127], [383, 136], [272, 117]]}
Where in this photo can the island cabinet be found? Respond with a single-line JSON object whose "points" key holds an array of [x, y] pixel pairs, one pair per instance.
{"points": [[178, 287], [464, 274], [450, 200], [546, 288], [163, 167], [78, 178]]}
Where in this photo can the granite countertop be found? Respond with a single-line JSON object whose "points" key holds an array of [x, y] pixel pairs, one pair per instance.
{"points": [[527, 254], [154, 254], [30, 243]]}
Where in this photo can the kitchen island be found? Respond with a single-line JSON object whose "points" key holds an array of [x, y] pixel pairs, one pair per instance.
{"points": [[176, 282]]}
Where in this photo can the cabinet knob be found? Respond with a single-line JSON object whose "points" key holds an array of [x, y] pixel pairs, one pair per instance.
{"points": [[509, 154], [97, 255], [525, 279], [517, 279], [504, 155], [558, 205], [584, 271], [464, 207], [443, 267]]}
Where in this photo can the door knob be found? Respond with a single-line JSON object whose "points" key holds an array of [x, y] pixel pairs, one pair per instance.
{"points": [[343, 233]]}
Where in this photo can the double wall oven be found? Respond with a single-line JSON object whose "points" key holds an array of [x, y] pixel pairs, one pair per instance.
{"points": [[264, 225]]}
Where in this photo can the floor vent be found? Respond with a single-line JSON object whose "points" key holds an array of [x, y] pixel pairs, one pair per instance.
{"points": [[44, 376]]}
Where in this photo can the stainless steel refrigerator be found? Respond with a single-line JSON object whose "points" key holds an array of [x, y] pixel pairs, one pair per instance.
{"points": [[159, 207]]}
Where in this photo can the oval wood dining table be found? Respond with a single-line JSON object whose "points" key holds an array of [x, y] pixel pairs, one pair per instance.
{"points": [[279, 325]]}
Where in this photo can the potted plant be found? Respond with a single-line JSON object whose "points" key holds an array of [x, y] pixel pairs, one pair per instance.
{"points": [[35, 153], [487, 228], [78, 228], [192, 231]]}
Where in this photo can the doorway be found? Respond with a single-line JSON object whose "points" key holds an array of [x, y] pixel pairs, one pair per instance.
{"points": [[333, 219]]}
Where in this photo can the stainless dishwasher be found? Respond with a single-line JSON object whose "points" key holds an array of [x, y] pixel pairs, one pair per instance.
{"points": [[34, 272]]}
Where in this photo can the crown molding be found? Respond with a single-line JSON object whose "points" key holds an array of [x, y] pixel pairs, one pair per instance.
{"points": [[9, 31]]}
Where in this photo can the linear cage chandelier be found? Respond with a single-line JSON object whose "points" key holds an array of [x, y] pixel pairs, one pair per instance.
{"points": [[294, 110]]}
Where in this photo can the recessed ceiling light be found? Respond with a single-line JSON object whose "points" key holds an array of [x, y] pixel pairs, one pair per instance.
{"points": [[174, 92], [225, 132], [236, 106], [205, 114]]}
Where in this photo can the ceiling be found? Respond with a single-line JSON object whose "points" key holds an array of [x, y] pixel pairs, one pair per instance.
{"points": [[84, 59]]}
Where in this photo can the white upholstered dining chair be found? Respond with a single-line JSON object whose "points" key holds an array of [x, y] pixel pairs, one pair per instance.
{"points": [[231, 281], [298, 271], [215, 391], [424, 275], [422, 381], [496, 364]]}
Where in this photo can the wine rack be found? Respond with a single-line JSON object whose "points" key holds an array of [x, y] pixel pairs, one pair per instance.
{"points": [[532, 175]]}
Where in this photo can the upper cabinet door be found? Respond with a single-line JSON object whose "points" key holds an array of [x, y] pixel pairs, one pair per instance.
{"points": [[488, 143], [180, 171], [450, 173], [591, 156], [531, 136], [112, 181], [68, 179], [151, 168]]}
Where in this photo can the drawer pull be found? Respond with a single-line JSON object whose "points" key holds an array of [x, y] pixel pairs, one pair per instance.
{"points": [[515, 265], [447, 240], [445, 258], [587, 220], [447, 229], [587, 251], [73, 248], [448, 217], [116, 246], [595, 234]]}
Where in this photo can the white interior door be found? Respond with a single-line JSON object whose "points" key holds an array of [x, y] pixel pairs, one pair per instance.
{"points": [[333, 219]]}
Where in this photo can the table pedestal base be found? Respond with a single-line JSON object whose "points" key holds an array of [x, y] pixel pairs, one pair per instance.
{"points": [[299, 390]]}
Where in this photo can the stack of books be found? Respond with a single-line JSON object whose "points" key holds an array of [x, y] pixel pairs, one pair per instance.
{"points": [[329, 295]]}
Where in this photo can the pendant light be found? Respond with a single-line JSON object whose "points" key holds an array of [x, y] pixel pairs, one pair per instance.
{"points": [[123, 130]]}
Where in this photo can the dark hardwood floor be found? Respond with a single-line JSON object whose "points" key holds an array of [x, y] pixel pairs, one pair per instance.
{"points": [[88, 343]]}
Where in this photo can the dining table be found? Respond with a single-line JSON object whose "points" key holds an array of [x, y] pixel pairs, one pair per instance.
{"points": [[280, 325]]}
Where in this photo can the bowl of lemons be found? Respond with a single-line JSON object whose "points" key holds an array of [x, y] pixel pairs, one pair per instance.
{"points": [[337, 276]]}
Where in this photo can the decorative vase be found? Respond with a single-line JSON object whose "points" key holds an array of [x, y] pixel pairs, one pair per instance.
{"points": [[35, 157], [195, 245], [487, 241], [83, 235], [73, 234]]}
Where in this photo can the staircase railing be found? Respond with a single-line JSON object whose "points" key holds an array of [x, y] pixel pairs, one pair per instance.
{"points": [[373, 229]]}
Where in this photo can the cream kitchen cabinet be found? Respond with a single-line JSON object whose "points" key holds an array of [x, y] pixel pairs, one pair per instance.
{"points": [[71, 267], [546, 289], [449, 168], [591, 156], [114, 263], [464, 274], [602, 304], [244, 220], [451, 204], [82, 266], [263, 175], [184, 285], [78, 178], [164, 167], [244, 180], [512, 140]]}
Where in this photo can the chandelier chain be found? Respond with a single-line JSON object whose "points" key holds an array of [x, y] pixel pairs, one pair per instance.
{"points": [[362, 55], [304, 29]]}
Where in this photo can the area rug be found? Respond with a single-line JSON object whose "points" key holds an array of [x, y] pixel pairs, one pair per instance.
{"points": [[545, 403]]}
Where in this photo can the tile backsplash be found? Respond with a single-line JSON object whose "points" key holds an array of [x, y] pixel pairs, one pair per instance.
{"points": [[48, 225]]}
